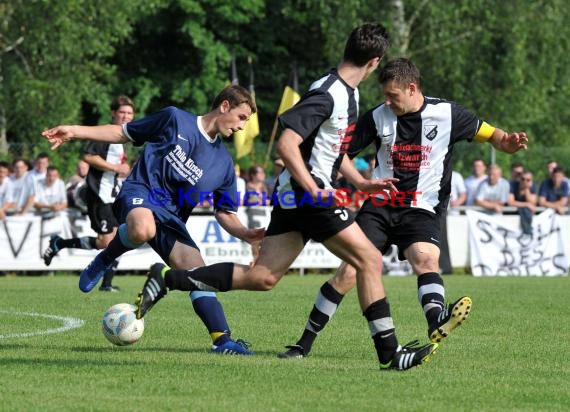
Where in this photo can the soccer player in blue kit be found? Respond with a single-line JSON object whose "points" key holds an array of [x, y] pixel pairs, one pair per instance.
{"points": [[184, 161]]}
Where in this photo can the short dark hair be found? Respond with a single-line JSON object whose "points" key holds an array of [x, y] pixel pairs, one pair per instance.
{"points": [[558, 169], [42, 155], [365, 43], [121, 100], [400, 70], [235, 95], [5, 165]]}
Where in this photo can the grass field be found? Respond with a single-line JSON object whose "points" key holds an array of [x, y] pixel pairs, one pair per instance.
{"points": [[513, 354]]}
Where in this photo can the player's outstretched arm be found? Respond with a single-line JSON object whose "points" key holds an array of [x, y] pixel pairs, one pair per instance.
{"points": [[109, 133], [231, 224]]}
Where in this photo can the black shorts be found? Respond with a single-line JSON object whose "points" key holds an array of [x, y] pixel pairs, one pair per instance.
{"points": [[316, 223], [101, 215], [400, 226]]}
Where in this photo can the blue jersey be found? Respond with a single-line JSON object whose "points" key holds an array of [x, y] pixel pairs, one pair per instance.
{"points": [[181, 166]]}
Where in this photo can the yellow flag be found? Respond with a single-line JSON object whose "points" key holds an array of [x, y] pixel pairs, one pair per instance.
{"points": [[290, 95], [243, 139]]}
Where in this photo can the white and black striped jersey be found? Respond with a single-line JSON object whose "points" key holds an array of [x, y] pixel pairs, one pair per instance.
{"points": [[103, 183], [417, 148], [325, 118]]}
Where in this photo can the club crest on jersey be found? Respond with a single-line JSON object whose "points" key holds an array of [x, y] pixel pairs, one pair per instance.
{"points": [[430, 131]]}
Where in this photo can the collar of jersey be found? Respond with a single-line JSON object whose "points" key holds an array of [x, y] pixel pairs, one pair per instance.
{"points": [[204, 134]]}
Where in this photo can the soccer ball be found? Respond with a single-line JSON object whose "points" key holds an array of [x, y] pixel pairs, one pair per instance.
{"points": [[121, 326]]}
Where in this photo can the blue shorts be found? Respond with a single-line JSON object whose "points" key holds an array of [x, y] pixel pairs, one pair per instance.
{"points": [[169, 226]]}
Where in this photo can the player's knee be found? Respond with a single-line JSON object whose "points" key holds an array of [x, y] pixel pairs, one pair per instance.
{"points": [[140, 234], [266, 282], [426, 263], [345, 278]]}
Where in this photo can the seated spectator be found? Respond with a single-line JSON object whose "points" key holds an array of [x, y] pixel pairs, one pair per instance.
{"points": [[523, 197], [554, 191], [7, 203], [473, 181], [517, 169], [493, 193], [50, 192], [458, 195], [39, 170], [255, 185], [23, 187]]}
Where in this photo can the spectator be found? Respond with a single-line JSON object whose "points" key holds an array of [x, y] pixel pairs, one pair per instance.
{"points": [[41, 164], [517, 169], [458, 195], [6, 193], [550, 166], [473, 181], [271, 181], [23, 187], [256, 186], [554, 191], [50, 192], [523, 197], [493, 193]]}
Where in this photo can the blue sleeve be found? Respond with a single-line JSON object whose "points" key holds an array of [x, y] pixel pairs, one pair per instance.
{"points": [[226, 197], [543, 191], [152, 128]]}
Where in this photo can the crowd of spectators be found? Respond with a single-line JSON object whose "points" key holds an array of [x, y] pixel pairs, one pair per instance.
{"points": [[38, 187]]}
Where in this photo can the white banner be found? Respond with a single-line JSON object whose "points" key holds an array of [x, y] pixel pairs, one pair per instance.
{"points": [[24, 238], [498, 250]]}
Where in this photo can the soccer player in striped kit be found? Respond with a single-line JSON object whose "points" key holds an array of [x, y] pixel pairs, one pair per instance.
{"points": [[414, 137]]}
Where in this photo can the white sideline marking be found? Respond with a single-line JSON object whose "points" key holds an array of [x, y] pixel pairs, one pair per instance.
{"points": [[68, 324]]}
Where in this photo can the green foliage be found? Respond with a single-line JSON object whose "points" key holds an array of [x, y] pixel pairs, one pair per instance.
{"points": [[489, 55]]}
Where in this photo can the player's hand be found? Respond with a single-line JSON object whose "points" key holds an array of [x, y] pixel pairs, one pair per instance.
{"points": [[253, 236], [58, 136], [322, 196], [377, 185], [123, 169], [513, 142]]}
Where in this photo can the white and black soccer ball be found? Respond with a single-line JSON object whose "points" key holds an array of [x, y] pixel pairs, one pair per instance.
{"points": [[121, 326]]}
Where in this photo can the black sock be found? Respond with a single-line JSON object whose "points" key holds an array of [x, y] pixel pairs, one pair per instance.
{"points": [[382, 329], [109, 274], [431, 295], [86, 242], [324, 308], [115, 249], [213, 278]]}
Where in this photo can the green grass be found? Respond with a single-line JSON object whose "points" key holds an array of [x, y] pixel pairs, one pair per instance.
{"points": [[511, 355]]}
